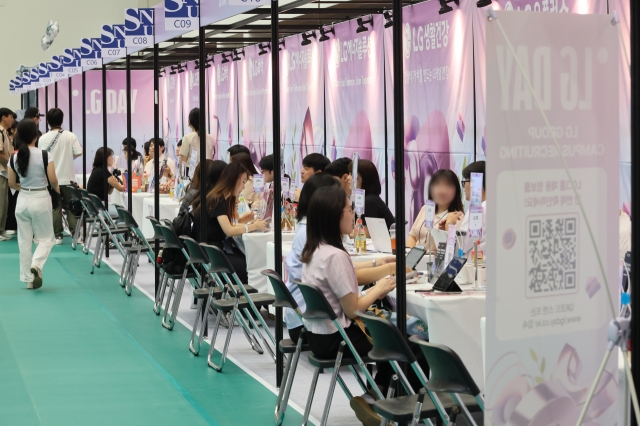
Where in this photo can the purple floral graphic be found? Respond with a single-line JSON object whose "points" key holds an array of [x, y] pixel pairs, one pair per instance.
{"points": [[306, 137], [359, 138]]}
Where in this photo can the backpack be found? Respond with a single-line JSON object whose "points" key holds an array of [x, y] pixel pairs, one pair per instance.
{"points": [[183, 223], [173, 259]]}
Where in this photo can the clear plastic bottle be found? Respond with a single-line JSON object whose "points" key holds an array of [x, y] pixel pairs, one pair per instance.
{"points": [[392, 234], [360, 237], [242, 205]]}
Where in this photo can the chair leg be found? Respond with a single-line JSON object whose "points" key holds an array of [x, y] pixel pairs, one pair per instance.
{"points": [[248, 332], [332, 385], [135, 260], [125, 269], [176, 304], [194, 333], [96, 253], [255, 310], [344, 387], [88, 239], [76, 234], [160, 296], [358, 378], [168, 301], [210, 362], [464, 410], [105, 242], [312, 391], [287, 383], [257, 331]]}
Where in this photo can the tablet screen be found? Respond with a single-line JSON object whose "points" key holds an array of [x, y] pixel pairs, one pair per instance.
{"points": [[414, 256]]}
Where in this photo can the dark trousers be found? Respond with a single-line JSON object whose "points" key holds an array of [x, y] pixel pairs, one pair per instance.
{"points": [[12, 225], [239, 262]]}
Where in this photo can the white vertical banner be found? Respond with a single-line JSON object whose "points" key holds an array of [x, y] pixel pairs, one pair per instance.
{"points": [[548, 303]]}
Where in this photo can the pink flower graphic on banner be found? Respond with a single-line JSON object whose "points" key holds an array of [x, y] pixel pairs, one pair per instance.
{"points": [[334, 150], [425, 155], [359, 138], [258, 149], [306, 137], [460, 127], [411, 129]]}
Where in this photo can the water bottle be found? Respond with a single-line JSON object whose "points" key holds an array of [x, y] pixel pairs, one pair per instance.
{"points": [[360, 238], [392, 234], [242, 205]]}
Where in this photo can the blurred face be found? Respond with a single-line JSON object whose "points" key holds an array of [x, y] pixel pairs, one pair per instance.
{"points": [[152, 149], [306, 173], [240, 184], [36, 119], [268, 176], [467, 189], [359, 182], [110, 161], [177, 151], [346, 223], [443, 193]]}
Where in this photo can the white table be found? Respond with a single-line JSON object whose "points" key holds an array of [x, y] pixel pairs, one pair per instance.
{"points": [[167, 211], [119, 198], [79, 178], [256, 249], [454, 321]]}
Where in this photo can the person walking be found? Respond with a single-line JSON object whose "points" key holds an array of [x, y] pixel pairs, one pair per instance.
{"points": [[30, 172], [63, 147], [6, 120]]}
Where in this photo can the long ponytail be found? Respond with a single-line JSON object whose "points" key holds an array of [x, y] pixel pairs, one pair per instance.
{"points": [[27, 131]]}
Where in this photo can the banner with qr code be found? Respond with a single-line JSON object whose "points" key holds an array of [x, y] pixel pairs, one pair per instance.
{"points": [[547, 303]]}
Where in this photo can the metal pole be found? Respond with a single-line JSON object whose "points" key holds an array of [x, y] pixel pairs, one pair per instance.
{"points": [[635, 191], [46, 106], [398, 133], [104, 147], [55, 91], [70, 112], [202, 132], [130, 177], [84, 145], [156, 154], [277, 224]]}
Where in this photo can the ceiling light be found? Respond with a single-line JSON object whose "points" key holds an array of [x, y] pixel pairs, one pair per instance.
{"points": [[306, 38], [263, 48], [361, 28], [444, 8], [388, 17], [236, 54], [324, 32], [483, 3]]}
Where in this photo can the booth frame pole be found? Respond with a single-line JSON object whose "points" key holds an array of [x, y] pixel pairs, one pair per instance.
{"points": [[202, 132], [70, 112], [156, 154], [104, 147], [398, 133], [635, 190], [55, 92], [277, 218], [84, 144], [46, 106], [129, 176]]}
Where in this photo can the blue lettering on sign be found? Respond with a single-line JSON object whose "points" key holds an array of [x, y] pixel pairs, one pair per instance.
{"points": [[43, 70], [90, 48], [181, 8], [138, 22], [55, 65], [112, 37]]}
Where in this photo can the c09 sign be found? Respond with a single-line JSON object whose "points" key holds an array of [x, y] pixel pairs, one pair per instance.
{"points": [[181, 15]]}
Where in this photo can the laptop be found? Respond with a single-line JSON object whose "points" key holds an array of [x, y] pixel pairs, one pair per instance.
{"points": [[379, 234]]}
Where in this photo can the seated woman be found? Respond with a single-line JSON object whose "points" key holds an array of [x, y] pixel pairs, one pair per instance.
{"points": [[366, 272], [222, 217], [99, 173], [192, 191], [445, 192], [369, 180], [248, 194]]}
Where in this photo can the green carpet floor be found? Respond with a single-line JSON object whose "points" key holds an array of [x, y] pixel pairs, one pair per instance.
{"points": [[78, 351]]}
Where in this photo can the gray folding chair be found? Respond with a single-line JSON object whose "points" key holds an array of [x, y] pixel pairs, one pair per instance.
{"points": [[318, 308], [101, 231], [241, 300]]}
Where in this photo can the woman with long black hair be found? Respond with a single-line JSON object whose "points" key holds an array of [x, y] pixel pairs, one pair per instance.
{"points": [[222, 217], [30, 172]]}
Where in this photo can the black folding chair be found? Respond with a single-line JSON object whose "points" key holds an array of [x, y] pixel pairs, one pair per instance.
{"points": [[116, 232], [190, 273], [241, 300], [284, 299], [70, 194], [101, 231], [449, 375], [318, 308]]}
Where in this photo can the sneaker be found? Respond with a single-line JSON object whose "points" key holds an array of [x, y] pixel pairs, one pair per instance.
{"points": [[5, 237], [59, 240], [11, 232], [80, 241], [37, 277], [364, 412], [29, 286]]}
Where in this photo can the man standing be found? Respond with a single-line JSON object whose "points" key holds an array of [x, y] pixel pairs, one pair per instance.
{"points": [[63, 147], [6, 121], [33, 113]]}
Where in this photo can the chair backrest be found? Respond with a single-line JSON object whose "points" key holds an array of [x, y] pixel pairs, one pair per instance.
{"points": [[219, 264], [388, 343], [69, 193], [91, 209], [197, 256], [448, 373], [284, 299], [157, 234], [317, 305], [167, 222], [171, 240], [97, 202], [126, 217], [83, 192]]}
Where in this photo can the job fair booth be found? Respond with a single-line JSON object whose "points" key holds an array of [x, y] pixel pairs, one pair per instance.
{"points": [[524, 297]]}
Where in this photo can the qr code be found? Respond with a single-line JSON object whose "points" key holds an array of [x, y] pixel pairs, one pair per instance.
{"points": [[552, 244]]}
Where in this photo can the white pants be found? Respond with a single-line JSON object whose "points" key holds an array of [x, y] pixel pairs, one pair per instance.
{"points": [[35, 223]]}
